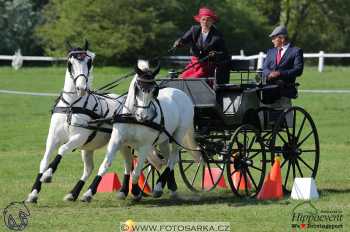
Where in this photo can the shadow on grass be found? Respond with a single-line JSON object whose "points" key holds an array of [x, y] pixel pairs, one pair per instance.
{"points": [[327, 191], [183, 199], [204, 199]]}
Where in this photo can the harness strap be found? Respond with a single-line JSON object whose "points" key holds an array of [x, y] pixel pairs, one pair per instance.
{"points": [[128, 118], [161, 122], [76, 110]]}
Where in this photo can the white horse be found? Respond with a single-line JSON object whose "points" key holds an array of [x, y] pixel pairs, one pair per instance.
{"points": [[176, 109], [69, 122]]}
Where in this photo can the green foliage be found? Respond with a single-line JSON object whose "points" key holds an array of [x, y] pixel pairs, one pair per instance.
{"points": [[17, 22], [121, 31]]}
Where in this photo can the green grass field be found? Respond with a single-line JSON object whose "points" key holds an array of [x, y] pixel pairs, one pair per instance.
{"points": [[24, 122]]}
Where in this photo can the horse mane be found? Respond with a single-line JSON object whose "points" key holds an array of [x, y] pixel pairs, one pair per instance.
{"points": [[130, 99]]}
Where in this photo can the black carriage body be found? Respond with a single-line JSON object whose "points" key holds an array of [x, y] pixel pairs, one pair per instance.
{"points": [[225, 108], [239, 131]]}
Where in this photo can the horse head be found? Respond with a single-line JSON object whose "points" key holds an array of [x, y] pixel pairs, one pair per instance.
{"points": [[145, 89], [79, 67]]}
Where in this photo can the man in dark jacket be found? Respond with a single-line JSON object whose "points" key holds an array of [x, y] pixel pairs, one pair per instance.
{"points": [[283, 64], [207, 45]]}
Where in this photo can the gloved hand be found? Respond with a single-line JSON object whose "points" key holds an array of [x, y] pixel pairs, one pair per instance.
{"points": [[212, 54], [177, 43]]}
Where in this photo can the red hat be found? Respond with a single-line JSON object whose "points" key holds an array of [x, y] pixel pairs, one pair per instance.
{"points": [[204, 11]]}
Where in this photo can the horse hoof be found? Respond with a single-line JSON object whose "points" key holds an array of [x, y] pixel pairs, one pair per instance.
{"points": [[47, 179], [32, 198], [87, 199], [121, 195], [47, 176], [137, 197], [69, 197], [157, 194], [174, 195]]}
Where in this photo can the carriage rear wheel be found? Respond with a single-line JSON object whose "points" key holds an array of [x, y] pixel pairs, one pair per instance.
{"points": [[295, 139], [247, 162], [202, 176]]}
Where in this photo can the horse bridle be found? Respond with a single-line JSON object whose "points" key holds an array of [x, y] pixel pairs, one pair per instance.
{"points": [[80, 55]]}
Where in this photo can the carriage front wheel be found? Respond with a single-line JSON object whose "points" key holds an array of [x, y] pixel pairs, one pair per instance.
{"points": [[295, 139], [246, 163]]}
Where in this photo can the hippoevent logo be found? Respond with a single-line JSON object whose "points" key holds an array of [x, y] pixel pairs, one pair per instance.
{"points": [[306, 216], [16, 216]]}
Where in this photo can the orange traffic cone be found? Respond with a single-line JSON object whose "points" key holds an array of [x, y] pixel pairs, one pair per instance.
{"points": [[209, 180], [272, 187], [109, 183], [240, 182], [142, 181]]}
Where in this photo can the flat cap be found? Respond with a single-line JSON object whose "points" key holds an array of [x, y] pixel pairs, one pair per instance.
{"points": [[280, 30]]}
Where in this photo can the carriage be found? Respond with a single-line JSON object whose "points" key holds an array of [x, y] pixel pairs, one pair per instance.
{"points": [[239, 132]]}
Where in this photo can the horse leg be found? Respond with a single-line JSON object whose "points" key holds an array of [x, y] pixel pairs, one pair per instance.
{"points": [[179, 136], [74, 142], [143, 152], [158, 189], [126, 153], [112, 148], [173, 159], [52, 143], [87, 158]]}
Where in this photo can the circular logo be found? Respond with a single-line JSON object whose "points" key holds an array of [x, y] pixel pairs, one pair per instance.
{"points": [[16, 216]]}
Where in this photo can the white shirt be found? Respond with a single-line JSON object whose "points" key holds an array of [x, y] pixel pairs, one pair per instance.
{"points": [[204, 36]]}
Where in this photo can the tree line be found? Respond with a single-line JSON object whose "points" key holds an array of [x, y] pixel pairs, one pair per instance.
{"points": [[120, 31]]}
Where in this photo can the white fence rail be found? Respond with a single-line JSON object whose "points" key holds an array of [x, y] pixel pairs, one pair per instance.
{"points": [[184, 59], [261, 56]]}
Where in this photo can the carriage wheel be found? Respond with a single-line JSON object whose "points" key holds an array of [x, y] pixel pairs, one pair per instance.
{"points": [[202, 176], [150, 176], [247, 162], [295, 138]]}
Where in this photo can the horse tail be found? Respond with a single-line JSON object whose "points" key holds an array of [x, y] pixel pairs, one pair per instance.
{"points": [[190, 143]]}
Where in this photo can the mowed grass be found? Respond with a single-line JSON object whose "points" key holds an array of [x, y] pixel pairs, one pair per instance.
{"points": [[24, 122]]}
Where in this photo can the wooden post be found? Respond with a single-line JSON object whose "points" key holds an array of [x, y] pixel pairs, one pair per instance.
{"points": [[321, 61]]}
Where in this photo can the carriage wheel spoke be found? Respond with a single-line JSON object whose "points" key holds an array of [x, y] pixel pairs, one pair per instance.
{"points": [[245, 181], [203, 172], [195, 175], [281, 137], [293, 166], [187, 161], [253, 156], [153, 179], [306, 137], [302, 151], [283, 163], [252, 143], [211, 175], [299, 158], [251, 177], [239, 181], [146, 166], [294, 121], [301, 128], [218, 165], [185, 169], [299, 169], [146, 180], [287, 129], [285, 180], [234, 171], [256, 168]]}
